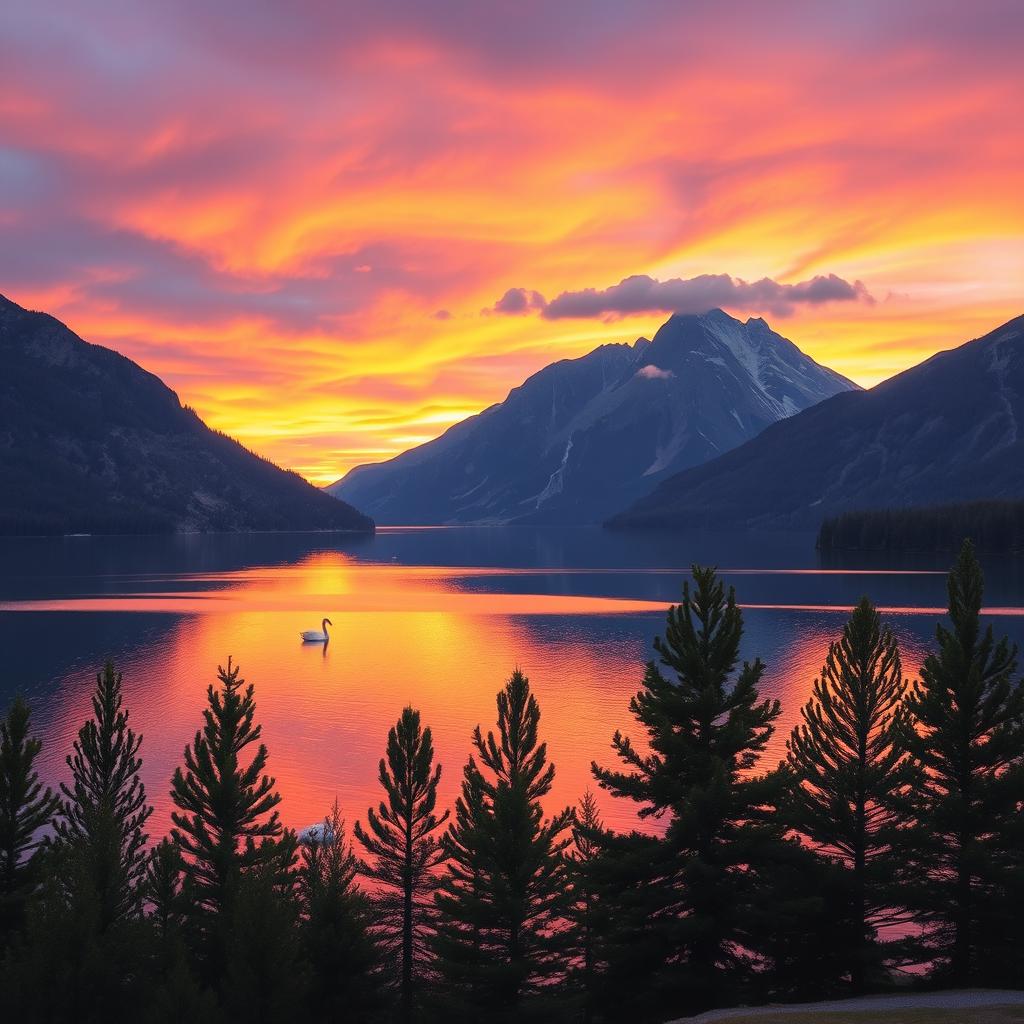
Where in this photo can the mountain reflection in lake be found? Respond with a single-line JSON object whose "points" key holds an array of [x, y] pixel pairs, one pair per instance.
{"points": [[436, 618]]}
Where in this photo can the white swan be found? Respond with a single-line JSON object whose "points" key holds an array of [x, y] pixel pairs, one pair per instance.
{"points": [[320, 834], [317, 636]]}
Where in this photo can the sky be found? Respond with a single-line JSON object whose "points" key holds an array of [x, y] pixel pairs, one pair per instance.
{"points": [[337, 228]]}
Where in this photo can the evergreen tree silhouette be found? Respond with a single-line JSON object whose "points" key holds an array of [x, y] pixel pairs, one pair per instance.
{"points": [[226, 822], [103, 812], [336, 927], [264, 974], [406, 853], [967, 733], [505, 885], [584, 909], [1004, 948], [83, 955], [25, 807], [852, 773], [800, 916], [685, 898], [176, 992], [163, 889], [66, 966]]}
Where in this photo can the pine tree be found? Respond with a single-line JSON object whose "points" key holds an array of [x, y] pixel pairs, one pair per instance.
{"points": [[584, 910], [406, 853], [175, 991], [104, 811], [162, 890], [801, 916], [83, 950], [504, 889], [25, 807], [1010, 941], [65, 967], [265, 977], [851, 771], [336, 927], [967, 734], [226, 823], [683, 898]]}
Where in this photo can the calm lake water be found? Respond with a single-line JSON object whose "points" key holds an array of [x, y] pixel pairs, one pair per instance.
{"points": [[433, 617]]}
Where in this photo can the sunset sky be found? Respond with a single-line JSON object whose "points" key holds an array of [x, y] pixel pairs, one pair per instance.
{"points": [[335, 229]]}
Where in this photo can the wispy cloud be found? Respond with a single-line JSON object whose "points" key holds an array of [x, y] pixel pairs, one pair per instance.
{"points": [[288, 211]]}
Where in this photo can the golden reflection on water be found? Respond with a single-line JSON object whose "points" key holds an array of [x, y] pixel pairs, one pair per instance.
{"points": [[401, 636]]}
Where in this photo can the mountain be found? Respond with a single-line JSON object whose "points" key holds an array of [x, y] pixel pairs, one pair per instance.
{"points": [[92, 443], [583, 437], [948, 430]]}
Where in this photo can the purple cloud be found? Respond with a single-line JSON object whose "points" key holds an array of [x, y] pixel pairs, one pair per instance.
{"points": [[517, 301], [643, 294]]}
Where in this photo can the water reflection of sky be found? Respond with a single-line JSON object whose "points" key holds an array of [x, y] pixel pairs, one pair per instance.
{"points": [[437, 618]]}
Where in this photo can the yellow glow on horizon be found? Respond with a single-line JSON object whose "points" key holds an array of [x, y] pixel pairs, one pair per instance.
{"points": [[314, 268]]}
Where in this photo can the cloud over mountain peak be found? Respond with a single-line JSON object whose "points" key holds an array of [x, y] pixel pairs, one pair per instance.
{"points": [[641, 293]]}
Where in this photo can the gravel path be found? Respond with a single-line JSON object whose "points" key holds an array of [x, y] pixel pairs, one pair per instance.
{"points": [[962, 999]]}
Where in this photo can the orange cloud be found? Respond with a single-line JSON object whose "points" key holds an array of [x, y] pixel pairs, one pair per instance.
{"points": [[269, 211]]}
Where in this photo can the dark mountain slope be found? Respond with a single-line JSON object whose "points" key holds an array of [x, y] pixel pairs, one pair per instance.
{"points": [[92, 443], [584, 436], [949, 430]]}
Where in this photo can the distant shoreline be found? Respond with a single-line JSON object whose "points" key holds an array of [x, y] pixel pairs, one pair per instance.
{"points": [[8, 535], [995, 527]]}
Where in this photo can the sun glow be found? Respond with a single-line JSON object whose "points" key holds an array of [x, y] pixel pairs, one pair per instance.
{"points": [[311, 255]]}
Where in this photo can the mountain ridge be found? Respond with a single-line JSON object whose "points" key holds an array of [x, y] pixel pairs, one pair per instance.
{"points": [[949, 429], [580, 437], [91, 442]]}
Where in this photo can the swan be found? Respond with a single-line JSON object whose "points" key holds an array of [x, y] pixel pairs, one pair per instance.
{"points": [[317, 636], [321, 834]]}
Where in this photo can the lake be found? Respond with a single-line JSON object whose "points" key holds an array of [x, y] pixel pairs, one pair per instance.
{"points": [[433, 617]]}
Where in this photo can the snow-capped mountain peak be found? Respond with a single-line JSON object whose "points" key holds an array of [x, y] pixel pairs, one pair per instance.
{"points": [[583, 437]]}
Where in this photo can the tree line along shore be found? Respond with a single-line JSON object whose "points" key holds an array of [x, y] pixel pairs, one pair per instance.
{"points": [[993, 526]]}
